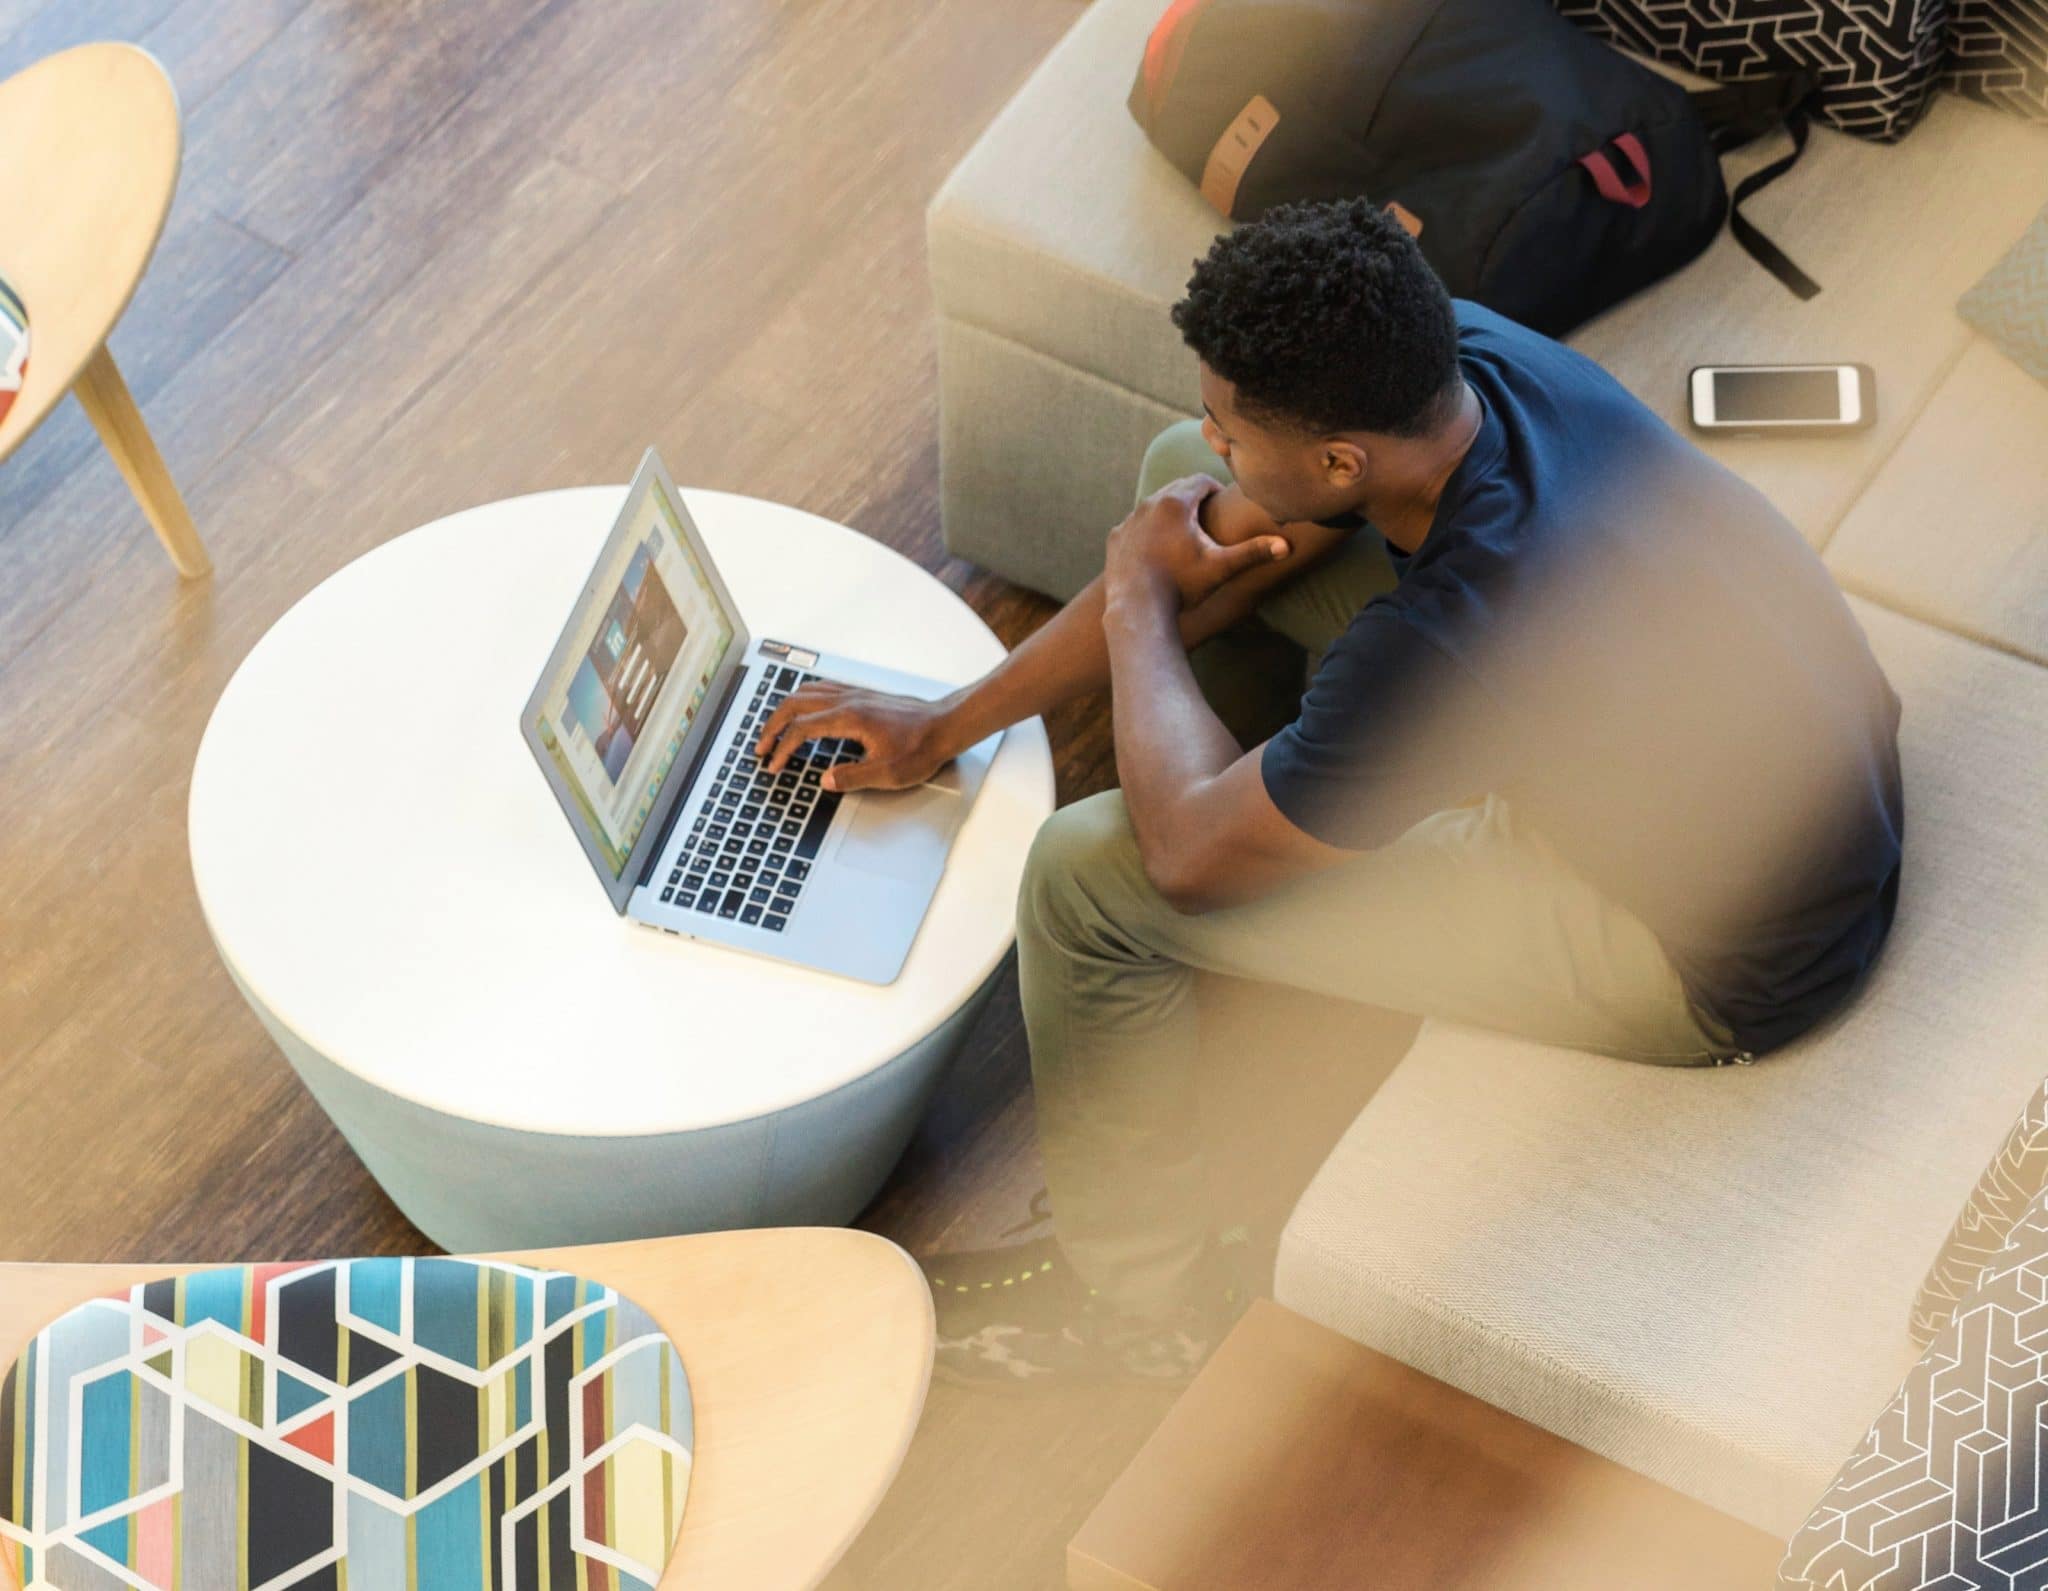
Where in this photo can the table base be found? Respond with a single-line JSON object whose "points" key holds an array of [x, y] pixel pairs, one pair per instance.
{"points": [[475, 1187]]}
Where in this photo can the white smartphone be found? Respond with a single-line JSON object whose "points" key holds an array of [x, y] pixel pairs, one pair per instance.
{"points": [[1773, 400]]}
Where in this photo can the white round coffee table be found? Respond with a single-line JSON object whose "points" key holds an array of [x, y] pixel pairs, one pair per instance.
{"points": [[392, 886]]}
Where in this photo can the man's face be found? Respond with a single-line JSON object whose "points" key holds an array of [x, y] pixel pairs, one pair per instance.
{"points": [[1289, 475]]}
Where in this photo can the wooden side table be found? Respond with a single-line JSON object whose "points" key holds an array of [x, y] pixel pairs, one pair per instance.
{"points": [[808, 1352], [89, 151], [1301, 1461]]}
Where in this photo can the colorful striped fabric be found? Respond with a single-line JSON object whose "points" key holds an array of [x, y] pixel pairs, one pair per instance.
{"points": [[350, 1425], [13, 345]]}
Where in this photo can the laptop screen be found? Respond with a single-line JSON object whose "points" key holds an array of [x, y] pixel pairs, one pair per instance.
{"points": [[640, 655]]}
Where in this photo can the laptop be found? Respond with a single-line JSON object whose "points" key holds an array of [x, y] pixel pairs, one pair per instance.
{"points": [[644, 722]]}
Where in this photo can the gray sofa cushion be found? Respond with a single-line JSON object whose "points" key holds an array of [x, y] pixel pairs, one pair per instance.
{"points": [[2010, 304], [1064, 231], [1954, 525], [1895, 233], [1037, 460], [1706, 1274]]}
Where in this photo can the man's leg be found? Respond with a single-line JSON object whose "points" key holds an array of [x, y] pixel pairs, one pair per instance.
{"points": [[1467, 916], [1464, 917], [1178, 451], [1252, 676], [1314, 610]]}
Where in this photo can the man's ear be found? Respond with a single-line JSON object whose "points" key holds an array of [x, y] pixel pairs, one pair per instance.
{"points": [[1344, 462]]}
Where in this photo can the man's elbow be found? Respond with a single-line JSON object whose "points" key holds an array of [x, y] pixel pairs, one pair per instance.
{"points": [[1184, 880]]}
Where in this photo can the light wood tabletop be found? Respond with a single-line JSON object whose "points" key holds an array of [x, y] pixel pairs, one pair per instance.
{"points": [[808, 1349], [89, 153]]}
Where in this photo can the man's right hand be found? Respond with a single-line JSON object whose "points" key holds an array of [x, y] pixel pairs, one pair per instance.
{"points": [[902, 739]]}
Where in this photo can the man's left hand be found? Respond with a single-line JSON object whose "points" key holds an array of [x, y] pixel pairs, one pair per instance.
{"points": [[1160, 552]]}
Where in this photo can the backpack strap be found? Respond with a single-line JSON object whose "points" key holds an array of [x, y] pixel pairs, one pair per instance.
{"points": [[1755, 244], [1740, 113], [1634, 192]]}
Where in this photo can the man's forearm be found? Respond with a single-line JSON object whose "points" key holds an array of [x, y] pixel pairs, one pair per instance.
{"points": [[1064, 658], [1168, 737], [1067, 656]]}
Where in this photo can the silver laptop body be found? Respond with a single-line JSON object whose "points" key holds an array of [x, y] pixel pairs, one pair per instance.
{"points": [[644, 722]]}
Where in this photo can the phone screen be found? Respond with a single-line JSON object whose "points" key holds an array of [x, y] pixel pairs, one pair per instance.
{"points": [[1741, 395]]}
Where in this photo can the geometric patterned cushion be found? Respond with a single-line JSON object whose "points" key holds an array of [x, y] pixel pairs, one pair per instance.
{"points": [[13, 345], [1943, 1493], [2010, 305], [1998, 53], [2012, 1181], [347, 1425]]}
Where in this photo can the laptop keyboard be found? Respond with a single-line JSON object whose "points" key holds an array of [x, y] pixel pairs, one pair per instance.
{"points": [[749, 850]]}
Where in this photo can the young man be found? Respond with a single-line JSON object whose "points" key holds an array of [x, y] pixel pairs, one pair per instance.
{"points": [[1594, 753]]}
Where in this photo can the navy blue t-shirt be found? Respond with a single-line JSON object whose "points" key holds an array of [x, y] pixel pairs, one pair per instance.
{"points": [[1630, 645]]}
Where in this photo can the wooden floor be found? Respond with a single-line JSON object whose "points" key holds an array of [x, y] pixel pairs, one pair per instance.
{"points": [[423, 255], [426, 254]]}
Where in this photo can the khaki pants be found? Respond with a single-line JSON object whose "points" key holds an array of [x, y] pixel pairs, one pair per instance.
{"points": [[1468, 916]]}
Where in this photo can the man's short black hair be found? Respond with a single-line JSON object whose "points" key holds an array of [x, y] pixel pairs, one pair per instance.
{"points": [[1325, 317]]}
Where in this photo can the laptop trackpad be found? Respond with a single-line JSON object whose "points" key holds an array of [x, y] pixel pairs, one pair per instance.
{"points": [[901, 833]]}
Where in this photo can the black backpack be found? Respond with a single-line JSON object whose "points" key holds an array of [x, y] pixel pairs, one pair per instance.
{"points": [[1542, 173]]}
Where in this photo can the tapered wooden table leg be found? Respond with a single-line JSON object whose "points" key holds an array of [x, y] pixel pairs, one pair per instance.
{"points": [[104, 396]]}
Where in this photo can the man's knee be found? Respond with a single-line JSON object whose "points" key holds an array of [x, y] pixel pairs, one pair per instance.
{"points": [[1083, 871], [1317, 608], [1179, 450]]}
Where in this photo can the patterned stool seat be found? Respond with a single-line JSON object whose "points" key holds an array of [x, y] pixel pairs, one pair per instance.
{"points": [[13, 346], [347, 1425]]}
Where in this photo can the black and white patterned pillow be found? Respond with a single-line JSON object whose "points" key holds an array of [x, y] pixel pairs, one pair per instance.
{"points": [[1943, 1492], [2006, 1189], [1875, 63], [1998, 52]]}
